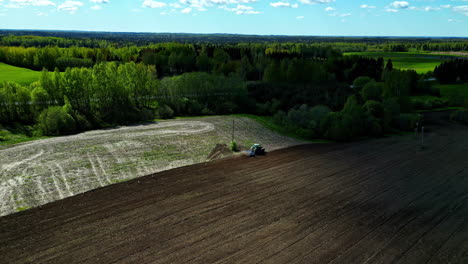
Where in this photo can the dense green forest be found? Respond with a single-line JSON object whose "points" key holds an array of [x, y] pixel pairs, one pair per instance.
{"points": [[307, 86]]}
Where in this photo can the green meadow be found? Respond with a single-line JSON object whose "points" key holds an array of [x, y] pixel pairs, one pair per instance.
{"points": [[457, 94], [18, 75], [420, 62]]}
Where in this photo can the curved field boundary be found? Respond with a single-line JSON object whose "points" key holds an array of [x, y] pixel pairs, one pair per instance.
{"points": [[42, 171]]}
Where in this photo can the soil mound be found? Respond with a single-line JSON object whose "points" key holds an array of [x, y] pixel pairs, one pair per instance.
{"points": [[219, 151]]}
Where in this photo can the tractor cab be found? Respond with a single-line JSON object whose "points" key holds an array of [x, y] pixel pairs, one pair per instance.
{"points": [[256, 149]]}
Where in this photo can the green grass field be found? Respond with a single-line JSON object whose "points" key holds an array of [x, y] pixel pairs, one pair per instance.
{"points": [[18, 75], [420, 62], [456, 93]]}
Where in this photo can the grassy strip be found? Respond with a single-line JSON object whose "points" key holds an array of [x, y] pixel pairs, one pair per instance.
{"points": [[267, 121], [12, 139], [420, 62], [19, 75], [440, 109]]}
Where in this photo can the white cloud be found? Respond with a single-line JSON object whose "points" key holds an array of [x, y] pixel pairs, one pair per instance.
{"points": [[284, 4], [391, 10], [242, 10], [186, 10], [175, 5], [207, 3], [427, 8], [461, 9], [96, 7], [313, 2], [153, 4], [329, 9], [300, 17], [430, 8], [24, 3], [100, 1], [400, 4], [367, 6], [70, 6]]}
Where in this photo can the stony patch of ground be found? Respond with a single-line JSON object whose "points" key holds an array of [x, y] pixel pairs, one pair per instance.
{"points": [[42, 171]]}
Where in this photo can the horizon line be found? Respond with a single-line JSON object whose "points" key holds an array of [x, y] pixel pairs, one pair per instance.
{"points": [[237, 34]]}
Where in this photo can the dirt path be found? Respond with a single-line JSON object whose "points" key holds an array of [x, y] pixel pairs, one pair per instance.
{"points": [[374, 201]]}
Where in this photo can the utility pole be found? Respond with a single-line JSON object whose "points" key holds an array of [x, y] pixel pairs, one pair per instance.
{"points": [[416, 131], [233, 122], [422, 136]]}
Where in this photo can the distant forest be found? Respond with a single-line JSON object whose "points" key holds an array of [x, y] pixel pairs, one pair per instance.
{"points": [[122, 39], [91, 80]]}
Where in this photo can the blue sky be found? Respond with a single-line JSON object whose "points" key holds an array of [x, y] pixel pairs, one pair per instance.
{"points": [[265, 17]]}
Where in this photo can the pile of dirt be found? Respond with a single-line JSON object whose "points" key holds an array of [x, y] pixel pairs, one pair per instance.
{"points": [[219, 151]]}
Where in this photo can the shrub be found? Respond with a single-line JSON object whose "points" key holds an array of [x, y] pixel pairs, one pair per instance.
{"points": [[227, 107], [374, 108], [407, 122], [347, 124], [82, 123], [425, 103], [233, 146], [372, 91], [319, 112], [360, 82], [280, 118], [206, 111], [193, 107], [426, 87], [299, 117], [165, 112], [391, 111], [269, 107], [56, 121], [4, 135]]}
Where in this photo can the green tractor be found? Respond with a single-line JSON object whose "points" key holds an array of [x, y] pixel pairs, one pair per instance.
{"points": [[256, 149]]}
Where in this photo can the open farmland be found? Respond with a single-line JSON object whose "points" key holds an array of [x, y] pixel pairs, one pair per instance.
{"points": [[42, 171], [374, 201], [17, 74], [420, 62]]}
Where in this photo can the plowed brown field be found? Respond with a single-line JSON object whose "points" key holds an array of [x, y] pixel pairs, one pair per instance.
{"points": [[374, 201]]}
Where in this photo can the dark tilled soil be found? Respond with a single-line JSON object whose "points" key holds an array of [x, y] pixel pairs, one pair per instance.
{"points": [[374, 201]]}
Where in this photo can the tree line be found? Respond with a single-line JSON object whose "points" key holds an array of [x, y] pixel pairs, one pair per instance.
{"points": [[310, 88], [452, 71]]}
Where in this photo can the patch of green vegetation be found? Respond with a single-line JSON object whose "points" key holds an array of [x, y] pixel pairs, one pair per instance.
{"points": [[8, 138], [267, 121], [120, 180], [428, 102], [22, 208], [420, 62], [440, 109], [19, 75], [457, 94]]}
